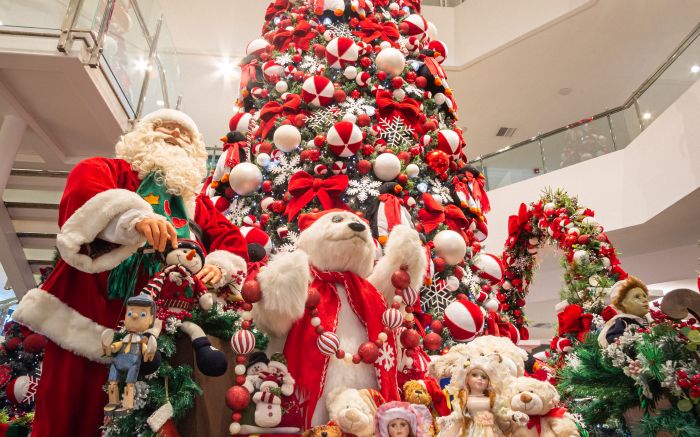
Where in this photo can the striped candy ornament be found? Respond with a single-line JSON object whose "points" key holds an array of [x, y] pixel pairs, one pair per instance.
{"points": [[409, 295], [243, 342], [392, 318], [328, 343]]}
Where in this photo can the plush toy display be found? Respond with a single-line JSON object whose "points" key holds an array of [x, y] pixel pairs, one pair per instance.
{"points": [[401, 419], [336, 325], [631, 300], [323, 431], [427, 392], [354, 410], [538, 400]]}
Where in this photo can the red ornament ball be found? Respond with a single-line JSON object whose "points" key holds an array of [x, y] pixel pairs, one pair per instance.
{"points": [[240, 379], [320, 50], [251, 291], [363, 120], [277, 206], [400, 279], [410, 338], [319, 140], [437, 326], [237, 398], [439, 264], [432, 341], [13, 343], [34, 343], [438, 161], [339, 96], [397, 82], [381, 75], [368, 352], [312, 298], [365, 62], [265, 148], [403, 178], [421, 82], [364, 166], [267, 186]]}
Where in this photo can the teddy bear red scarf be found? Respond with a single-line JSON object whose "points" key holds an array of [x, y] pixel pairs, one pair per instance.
{"points": [[308, 365]]}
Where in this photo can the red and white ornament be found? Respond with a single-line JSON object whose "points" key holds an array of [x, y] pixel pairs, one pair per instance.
{"points": [[339, 167], [272, 68], [363, 78], [242, 342], [488, 267], [320, 169], [328, 343], [441, 50], [417, 26], [240, 122], [392, 318], [464, 320], [561, 344], [318, 91], [450, 142], [256, 47], [344, 139], [341, 52]]}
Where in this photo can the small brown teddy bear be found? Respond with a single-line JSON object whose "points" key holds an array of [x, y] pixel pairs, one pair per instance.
{"points": [[324, 431], [427, 392]]}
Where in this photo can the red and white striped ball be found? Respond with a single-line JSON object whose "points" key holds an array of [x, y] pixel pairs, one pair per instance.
{"points": [[328, 343], [254, 234], [243, 342], [240, 122], [317, 91], [363, 47], [339, 167], [441, 50], [363, 78], [257, 92], [341, 52], [266, 203], [561, 344], [413, 43], [409, 295], [272, 68], [417, 26], [220, 203], [344, 139], [320, 169], [488, 267], [392, 318], [289, 70], [450, 142], [256, 46], [464, 320]]}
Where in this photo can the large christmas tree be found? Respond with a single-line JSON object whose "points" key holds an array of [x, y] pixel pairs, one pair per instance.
{"points": [[345, 104]]}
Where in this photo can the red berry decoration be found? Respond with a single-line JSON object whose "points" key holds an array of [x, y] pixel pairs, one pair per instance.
{"points": [[432, 341], [339, 96], [312, 298], [251, 291], [237, 398], [400, 279], [437, 326], [397, 82], [364, 166], [421, 82], [368, 352], [410, 338]]}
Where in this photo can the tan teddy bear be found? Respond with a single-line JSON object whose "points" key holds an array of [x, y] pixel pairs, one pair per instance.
{"points": [[531, 410], [354, 410], [323, 431]]}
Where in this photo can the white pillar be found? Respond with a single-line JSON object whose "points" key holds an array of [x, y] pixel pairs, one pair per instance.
{"points": [[18, 271]]}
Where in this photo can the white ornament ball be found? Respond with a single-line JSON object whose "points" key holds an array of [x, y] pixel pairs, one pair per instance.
{"points": [[452, 283], [391, 61], [450, 246], [245, 178], [439, 98], [310, 144], [399, 95], [432, 31], [549, 207], [506, 285], [281, 86], [239, 369], [349, 116], [605, 261], [412, 170], [328, 35], [350, 72], [491, 305], [382, 336], [262, 159], [385, 45], [315, 321], [581, 256], [591, 221], [234, 428], [387, 167], [287, 138]]}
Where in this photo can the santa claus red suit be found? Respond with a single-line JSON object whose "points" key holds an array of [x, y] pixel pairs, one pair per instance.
{"points": [[103, 201]]}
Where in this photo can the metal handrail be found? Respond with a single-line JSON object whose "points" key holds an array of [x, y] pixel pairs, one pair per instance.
{"points": [[632, 100]]}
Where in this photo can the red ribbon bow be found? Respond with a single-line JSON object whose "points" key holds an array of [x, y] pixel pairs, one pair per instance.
{"points": [[516, 223], [273, 110], [301, 36], [303, 187], [275, 8], [409, 109], [434, 214], [574, 321], [478, 191], [371, 29], [233, 152], [535, 421]]}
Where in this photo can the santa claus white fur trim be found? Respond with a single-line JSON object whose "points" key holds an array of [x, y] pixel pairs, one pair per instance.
{"points": [[89, 220], [229, 263], [66, 327], [174, 115]]}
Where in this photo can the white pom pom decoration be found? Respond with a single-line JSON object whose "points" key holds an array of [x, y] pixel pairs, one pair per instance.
{"points": [[450, 246], [387, 167], [287, 138], [245, 178]]}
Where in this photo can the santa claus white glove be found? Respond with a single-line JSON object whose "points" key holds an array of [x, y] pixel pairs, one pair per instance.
{"points": [[206, 301], [520, 417]]}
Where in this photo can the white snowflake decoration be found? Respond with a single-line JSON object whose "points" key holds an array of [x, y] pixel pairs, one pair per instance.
{"points": [[521, 263], [172, 324], [364, 188], [435, 296], [312, 64], [237, 211], [442, 122], [141, 390], [412, 89], [290, 244], [356, 106], [322, 118], [283, 167], [284, 59], [386, 357], [395, 132], [340, 29], [470, 280], [440, 190]]}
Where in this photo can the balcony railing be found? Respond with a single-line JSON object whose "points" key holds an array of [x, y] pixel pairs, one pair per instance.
{"points": [[128, 40], [600, 134]]}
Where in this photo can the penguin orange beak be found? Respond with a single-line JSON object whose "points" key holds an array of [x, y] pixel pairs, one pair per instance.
{"points": [[190, 255], [224, 139]]}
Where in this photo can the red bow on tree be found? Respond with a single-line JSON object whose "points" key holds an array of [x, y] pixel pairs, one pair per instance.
{"points": [[233, 152], [434, 214], [275, 8], [249, 73], [371, 29], [301, 36], [478, 191], [272, 110], [303, 187], [408, 109], [574, 321], [516, 224], [535, 420]]}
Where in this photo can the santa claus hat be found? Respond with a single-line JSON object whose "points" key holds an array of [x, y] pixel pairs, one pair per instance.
{"points": [[173, 115], [306, 220], [392, 411], [438, 396], [277, 365]]}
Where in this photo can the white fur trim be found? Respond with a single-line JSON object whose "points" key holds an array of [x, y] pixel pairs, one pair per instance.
{"points": [[229, 263], [46, 314], [178, 117], [284, 282], [160, 416], [89, 220]]}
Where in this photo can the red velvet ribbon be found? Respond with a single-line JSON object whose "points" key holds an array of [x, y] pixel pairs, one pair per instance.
{"points": [[414, 4], [574, 321], [249, 73], [233, 153], [516, 224], [303, 187], [434, 214], [275, 8], [408, 109], [535, 420], [371, 29], [392, 210], [492, 320], [301, 36], [254, 268], [273, 110], [479, 192]]}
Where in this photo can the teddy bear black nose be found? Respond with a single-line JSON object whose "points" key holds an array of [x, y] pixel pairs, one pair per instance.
{"points": [[324, 434], [357, 227]]}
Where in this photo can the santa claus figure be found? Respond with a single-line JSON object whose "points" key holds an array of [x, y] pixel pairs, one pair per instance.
{"points": [[110, 210]]}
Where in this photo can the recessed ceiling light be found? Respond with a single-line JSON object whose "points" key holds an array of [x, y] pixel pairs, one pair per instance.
{"points": [[160, 103], [646, 115], [564, 91], [695, 69]]}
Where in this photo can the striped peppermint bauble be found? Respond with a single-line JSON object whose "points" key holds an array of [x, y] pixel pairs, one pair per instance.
{"points": [[409, 295], [344, 139], [339, 167], [488, 267], [450, 142], [317, 91], [341, 52], [243, 342], [328, 343], [417, 26], [272, 68], [464, 320], [392, 318]]}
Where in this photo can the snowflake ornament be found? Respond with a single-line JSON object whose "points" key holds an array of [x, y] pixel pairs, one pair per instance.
{"points": [[283, 167], [442, 121], [386, 357], [471, 281], [364, 188], [290, 244], [312, 64], [237, 211], [435, 297], [521, 263], [284, 59], [412, 89], [356, 106], [440, 190], [322, 118], [340, 29], [141, 390], [395, 132]]}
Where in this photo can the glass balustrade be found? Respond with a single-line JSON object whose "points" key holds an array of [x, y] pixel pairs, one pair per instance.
{"points": [[601, 134]]}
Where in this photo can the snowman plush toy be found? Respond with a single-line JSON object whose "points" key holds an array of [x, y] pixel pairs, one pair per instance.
{"points": [[177, 292]]}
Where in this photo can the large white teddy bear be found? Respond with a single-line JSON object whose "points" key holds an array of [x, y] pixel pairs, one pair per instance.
{"points": [[334, 267]]}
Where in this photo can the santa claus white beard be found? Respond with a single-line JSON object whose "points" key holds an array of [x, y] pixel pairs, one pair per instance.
{"points": [[180, 169]]}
